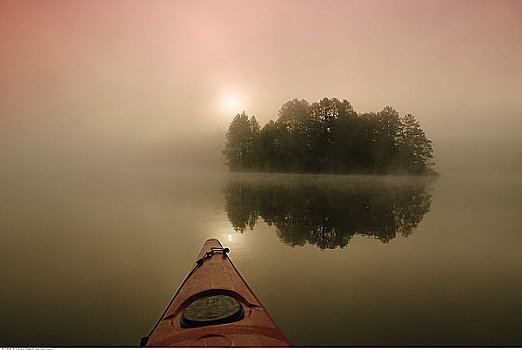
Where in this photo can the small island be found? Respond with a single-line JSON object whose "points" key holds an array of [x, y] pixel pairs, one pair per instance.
{"points": [[329, 136]]}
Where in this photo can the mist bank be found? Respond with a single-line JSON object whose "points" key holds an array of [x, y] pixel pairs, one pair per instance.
{"points": [[477, 155], [67, 147], [45, 150]]}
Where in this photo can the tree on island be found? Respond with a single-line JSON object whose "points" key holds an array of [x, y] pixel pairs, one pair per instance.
{"points": [[329, 136]]}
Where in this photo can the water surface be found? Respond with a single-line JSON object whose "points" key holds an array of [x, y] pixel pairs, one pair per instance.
{"points": [[93, 258]]}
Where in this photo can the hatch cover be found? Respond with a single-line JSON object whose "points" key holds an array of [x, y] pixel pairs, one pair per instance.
{"points": [[210, 310]]}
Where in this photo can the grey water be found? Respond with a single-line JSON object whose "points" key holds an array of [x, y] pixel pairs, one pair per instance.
{"points": [[92, 258]]}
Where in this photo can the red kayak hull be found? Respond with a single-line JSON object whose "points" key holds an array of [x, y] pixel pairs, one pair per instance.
{"points": [[217, 275]]}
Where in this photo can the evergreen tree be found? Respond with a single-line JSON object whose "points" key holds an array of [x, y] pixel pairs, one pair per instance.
{"points": [[239, 142]]}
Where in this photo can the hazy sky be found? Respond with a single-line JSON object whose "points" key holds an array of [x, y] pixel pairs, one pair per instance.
{"points": [[113, 77]]}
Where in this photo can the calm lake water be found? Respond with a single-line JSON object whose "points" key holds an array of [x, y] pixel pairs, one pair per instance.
{"points": [[93, 258]]}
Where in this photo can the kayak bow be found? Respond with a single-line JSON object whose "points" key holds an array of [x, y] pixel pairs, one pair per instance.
{"points": [[215, 307]]}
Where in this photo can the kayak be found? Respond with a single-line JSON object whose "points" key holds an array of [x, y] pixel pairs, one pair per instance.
{"points": [[214, 307]]}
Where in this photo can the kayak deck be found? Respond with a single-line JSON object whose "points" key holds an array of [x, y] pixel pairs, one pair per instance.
{"points": [[214, 307]]}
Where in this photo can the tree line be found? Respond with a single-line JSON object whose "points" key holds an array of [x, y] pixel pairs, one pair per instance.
{"points": [[329, 136]]}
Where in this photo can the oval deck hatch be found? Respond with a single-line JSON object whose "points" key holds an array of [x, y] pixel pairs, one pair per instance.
{"points": [[211, 310]]}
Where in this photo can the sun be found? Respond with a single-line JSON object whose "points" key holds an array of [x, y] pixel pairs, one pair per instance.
{"points": [[231, 103]]}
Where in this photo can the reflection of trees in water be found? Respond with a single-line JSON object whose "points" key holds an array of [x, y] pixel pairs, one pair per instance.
{"points": [[328, 212]]}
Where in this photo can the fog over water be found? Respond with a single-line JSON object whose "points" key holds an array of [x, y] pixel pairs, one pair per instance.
{"points": [[127, 81], [113, 117]]}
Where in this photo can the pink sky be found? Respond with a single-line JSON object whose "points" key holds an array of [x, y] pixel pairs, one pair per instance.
{"points": [[122, 71]]}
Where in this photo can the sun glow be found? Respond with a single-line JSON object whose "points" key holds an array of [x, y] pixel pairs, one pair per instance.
{"points": [[231, 103]]}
